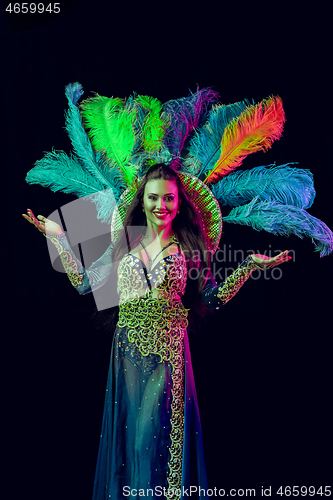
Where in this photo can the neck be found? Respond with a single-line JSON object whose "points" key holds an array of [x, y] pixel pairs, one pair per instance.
{"points": [[161, 233]]}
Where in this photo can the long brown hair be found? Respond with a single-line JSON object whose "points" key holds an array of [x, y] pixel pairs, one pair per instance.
{"points": [[187, 227]]}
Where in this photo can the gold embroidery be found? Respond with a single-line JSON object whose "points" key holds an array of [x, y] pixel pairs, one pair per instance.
{"points": [[156, 324], [68, 262], [235, 281]]}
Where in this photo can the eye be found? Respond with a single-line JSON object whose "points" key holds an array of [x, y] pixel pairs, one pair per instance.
{"points": [[169, 198], [152, 197]]}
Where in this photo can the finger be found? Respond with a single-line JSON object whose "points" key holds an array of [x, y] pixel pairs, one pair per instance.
{"points": [[27, 218], [40, 225], [280, 261], [31, 215], [282, 254], [284, 258]]}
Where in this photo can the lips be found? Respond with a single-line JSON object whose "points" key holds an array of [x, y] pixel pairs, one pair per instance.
{"points": [[160, 214]]}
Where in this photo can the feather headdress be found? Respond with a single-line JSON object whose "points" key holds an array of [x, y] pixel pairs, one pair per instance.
{"points": [[115, 141]]}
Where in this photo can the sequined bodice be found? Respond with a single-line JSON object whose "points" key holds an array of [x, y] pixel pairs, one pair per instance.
{"points": [[166, 280], [150, 306]]}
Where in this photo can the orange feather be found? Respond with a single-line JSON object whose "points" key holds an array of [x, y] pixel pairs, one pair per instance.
{"points": [[254, 130]]}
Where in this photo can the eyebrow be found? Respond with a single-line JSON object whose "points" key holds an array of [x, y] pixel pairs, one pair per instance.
{"points": [[167, 194]]}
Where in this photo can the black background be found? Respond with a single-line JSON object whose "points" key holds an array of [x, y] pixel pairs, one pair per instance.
{"points": [[262, 363]]}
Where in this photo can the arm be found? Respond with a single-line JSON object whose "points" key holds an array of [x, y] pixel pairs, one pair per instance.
{"points": [[84, 280], [214, 296]]}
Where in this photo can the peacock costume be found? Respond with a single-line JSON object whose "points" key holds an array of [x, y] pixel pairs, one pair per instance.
{"points": [[151, 435]]}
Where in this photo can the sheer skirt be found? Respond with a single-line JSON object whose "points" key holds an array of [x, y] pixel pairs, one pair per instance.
{"points": [[135, 438]]}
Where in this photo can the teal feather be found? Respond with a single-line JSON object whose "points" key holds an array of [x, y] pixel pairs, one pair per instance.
{"points": [[283, 220], [85, 174], [105, 202], [60, 172], [283, 183], [205, 147], [114, 177], [98, 168]]}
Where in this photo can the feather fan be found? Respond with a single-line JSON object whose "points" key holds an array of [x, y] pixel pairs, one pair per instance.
{"points": [[254, 130], [284, 220], [283, 183]]}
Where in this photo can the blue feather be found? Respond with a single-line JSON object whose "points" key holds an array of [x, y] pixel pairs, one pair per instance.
{"points": [[73, 92], [284, 220], [283, 183], [205, 146]]}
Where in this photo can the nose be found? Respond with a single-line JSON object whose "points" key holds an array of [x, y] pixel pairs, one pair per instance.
{"points": [[161, 204]]}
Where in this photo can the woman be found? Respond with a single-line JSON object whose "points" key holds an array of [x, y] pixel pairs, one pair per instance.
{"points": [[151, 436]]}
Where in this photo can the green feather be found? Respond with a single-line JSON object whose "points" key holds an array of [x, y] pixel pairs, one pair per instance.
{"points": [[153, 128], [110, 129]]}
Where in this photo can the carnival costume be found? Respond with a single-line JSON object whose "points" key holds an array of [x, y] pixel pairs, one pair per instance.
{"points": [[151, 434]]}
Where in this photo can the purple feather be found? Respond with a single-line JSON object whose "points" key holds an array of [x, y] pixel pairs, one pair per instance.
{"points": [[185, 115]]}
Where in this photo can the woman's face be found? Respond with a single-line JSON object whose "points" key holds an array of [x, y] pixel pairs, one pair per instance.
{"points": [[160, 202]]}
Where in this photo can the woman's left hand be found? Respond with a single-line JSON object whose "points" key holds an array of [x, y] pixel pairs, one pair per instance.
{"points": [[265, 261]]}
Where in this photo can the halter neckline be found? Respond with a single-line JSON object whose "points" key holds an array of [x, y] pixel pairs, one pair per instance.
{"points": [[150, 260]]}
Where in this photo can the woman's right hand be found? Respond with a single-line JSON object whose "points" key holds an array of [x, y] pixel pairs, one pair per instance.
{"points": [[43, 224]]}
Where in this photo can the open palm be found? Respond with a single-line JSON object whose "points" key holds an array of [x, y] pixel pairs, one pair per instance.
{"points": [[264, 260], [43, 224]]}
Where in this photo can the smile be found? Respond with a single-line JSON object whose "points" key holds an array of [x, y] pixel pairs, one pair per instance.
{"points": [[160, 214]]}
